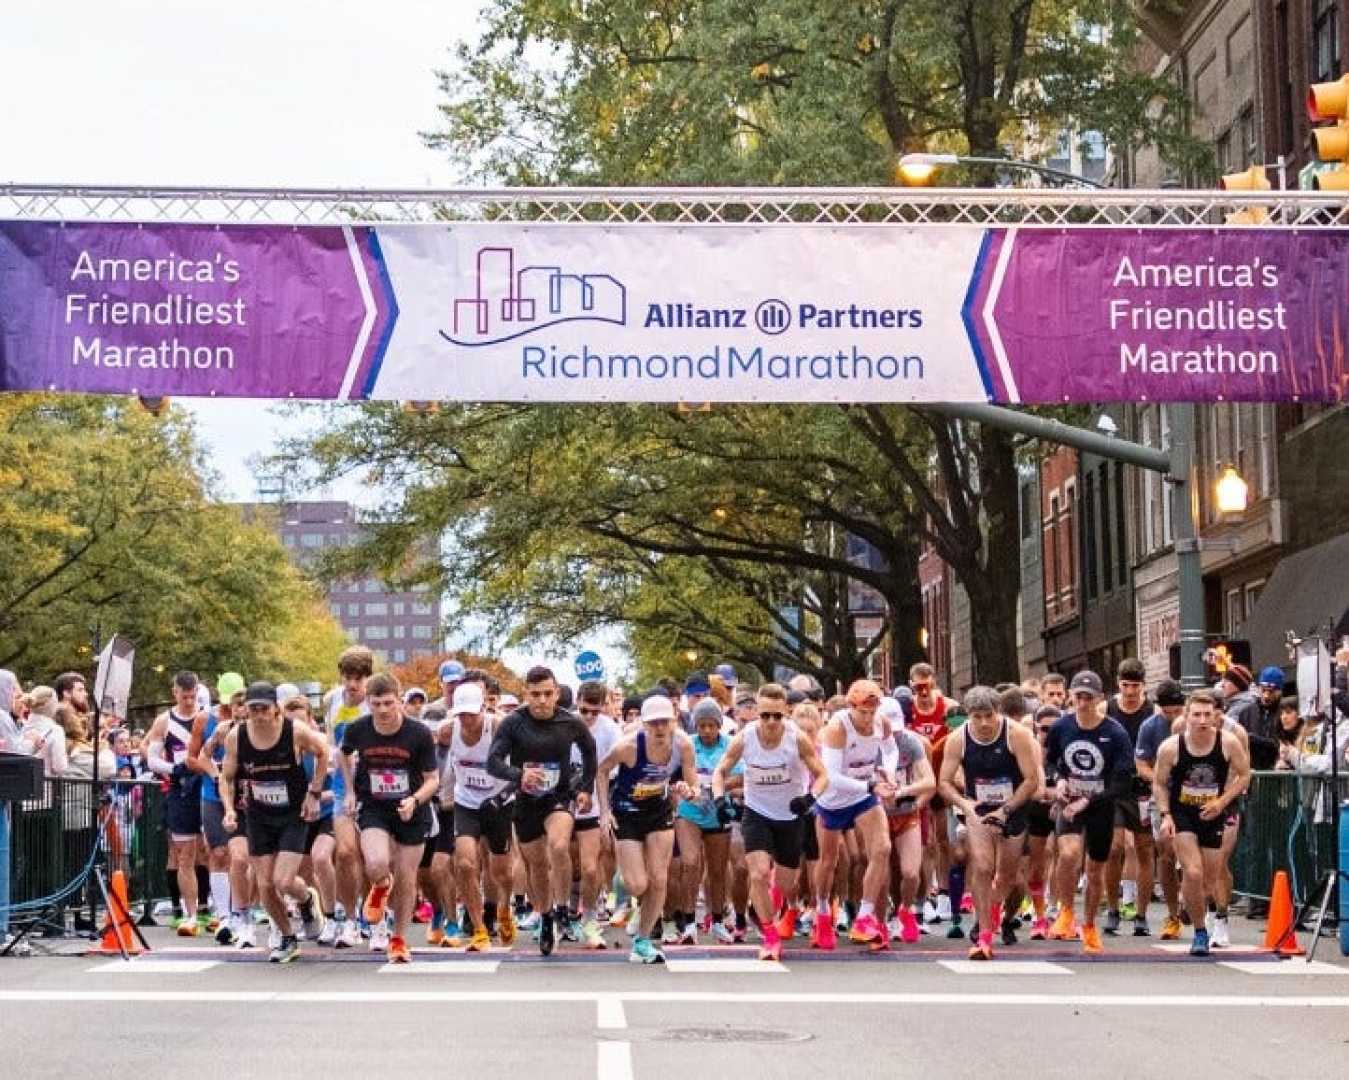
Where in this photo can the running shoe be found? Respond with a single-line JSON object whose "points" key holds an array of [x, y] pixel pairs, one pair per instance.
{"points": [[771, 949], [823, 936], [909, 931], [530, 923], [225, 935], [571, 928], [399, 953], [423, 912], [286, 950], [506, 929], [453, 929], [722, 934], [1008, 929], [841, 920], [187, 928], [892, 929], [737, 934], [689, 935], [329, 934], [967, 904], [435, 935], [671, 935], [481, 941], [1141, 926], [246, 937], [1091, 940], [943, 907], [1065, 927], [620, 916], [547, 934], [379, 937], [644, 952], [705, 923], [274, 938], [1128, 910], [634, 920], [311, 915], [930, 911], [786, 924], [348, 935], [376, 903], [592, 937], [983, 948], [1170, 928], [1112, 922], [866, 930], [1039, 929], [956, 931], [1200, 945], [1221, 937]]}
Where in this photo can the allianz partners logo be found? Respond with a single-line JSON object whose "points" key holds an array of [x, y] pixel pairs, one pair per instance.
{"points": [[510, 303]]}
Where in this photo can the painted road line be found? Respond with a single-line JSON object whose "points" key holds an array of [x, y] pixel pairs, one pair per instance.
{"points": [[1184, 947], [444, 967], [1288, 967], [152, 967], [615, 1060], [609, 1012], [1004, 967], [725, 967], [964, 1000]]}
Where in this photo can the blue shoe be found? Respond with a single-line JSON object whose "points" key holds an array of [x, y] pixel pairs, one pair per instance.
{"points": [[1199, 947], [452, 929], [644, 952]]}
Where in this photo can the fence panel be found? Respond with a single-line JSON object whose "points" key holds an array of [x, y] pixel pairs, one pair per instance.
{"points": [[1288, 823]]}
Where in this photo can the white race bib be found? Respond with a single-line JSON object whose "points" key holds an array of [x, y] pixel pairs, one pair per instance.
{"points": [[551, 775], [993, 792], [768, 775], [1086, 788], [389, 783], [1198, 794], [476, 780], [270, 793]]}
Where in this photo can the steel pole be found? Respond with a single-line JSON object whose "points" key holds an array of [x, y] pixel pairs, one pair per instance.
{"points": [[1189, 569]]}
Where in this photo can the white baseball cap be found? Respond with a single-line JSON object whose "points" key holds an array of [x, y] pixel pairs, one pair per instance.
{"points": [[658, 707], [467, 699]]}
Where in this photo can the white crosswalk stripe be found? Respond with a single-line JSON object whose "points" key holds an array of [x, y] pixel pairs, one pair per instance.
{"points": [[443, 967], [142, 966], [1004, 967], [725, 967]]}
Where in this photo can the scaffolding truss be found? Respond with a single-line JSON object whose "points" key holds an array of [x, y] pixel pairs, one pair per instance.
{"points": [[1033, 207]]}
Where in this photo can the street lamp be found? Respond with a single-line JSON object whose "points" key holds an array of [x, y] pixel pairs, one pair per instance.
{"points": [[691, 655], [1231, 492], [919, 170]]}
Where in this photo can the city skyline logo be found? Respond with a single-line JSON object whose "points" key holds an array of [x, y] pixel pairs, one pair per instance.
{"points": [[508, 303]]}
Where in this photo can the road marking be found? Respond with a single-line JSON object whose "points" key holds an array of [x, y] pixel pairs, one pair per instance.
{"points": [[692, 997], [725, 967], [444, 967], [1288, 967], [1004, 967], [1184, 947], [609, 1010], [615, 1061], [153, 967]]}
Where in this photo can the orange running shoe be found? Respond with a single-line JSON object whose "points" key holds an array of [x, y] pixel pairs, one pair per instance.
{"points": [[787, 924], [506, 929], [399, 953], [435, 935], [377, 902], [1064, 928], [1091, 940]]}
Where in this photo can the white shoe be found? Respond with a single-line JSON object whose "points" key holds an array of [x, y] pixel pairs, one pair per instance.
{"points": [[329, 934], [893, 927], [690, 934], [1209, 920], [670, 935], [348, 935], [943, 907], [929, 912], [1221, 936], [274, 939], [163, 909], [379, 938], [722, 933], [245, 936]]}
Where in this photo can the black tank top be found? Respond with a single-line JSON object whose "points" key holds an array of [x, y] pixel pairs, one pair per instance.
{"points": [[276, 781], [1198, 779], [992, 774]]}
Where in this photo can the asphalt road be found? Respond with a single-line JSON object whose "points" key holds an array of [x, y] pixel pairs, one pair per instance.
{"points": [[208, 1012]]}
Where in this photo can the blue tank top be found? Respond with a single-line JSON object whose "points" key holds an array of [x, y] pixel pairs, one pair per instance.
{"points": [[326, 806], [210, 790], [705, 758], [992, 774], [644, 785]]}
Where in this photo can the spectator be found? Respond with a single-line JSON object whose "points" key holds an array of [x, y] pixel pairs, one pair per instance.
{"points": [[1270, 685], [79, 750], [1290, 732], [9, 727], [71, 690], [1243, 707], [42, 736]]}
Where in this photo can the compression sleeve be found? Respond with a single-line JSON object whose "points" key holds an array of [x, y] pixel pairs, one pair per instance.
{"points": [[498, 763], [839, 781], [156, 762]]}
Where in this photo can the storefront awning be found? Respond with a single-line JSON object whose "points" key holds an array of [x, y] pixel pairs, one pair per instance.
{"points": [[1307, 593]]}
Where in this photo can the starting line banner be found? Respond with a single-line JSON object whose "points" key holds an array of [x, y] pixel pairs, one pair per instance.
{"points": [[703, 313]]}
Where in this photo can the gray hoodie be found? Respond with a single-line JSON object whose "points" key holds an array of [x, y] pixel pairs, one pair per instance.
{"points": [[9, 727]]}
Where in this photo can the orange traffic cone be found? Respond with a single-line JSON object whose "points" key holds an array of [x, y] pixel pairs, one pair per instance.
{"points": [[118, 922], [1281, 930]]}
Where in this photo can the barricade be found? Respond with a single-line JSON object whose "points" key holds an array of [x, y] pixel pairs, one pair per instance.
{"points": [[1287, 824]]}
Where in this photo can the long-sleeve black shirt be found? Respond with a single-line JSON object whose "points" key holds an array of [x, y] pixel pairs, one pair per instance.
{"points": [[522, 742]]}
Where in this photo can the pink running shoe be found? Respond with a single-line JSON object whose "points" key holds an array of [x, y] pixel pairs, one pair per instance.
{"points": [[908, 927], [866, 929], [822, 934], [1039, 930]]}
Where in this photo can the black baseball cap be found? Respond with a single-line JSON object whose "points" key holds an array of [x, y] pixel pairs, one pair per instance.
{"points": [[260, 693], [1088, 681]]}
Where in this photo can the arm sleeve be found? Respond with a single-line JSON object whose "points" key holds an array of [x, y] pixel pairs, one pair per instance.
{"points": [[497, 763], [838, 780], [156, 762]]}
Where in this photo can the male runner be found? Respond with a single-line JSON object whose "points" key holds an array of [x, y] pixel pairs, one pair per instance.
{"points": [[915, 785], [389, 774], [858, 752], [783, 778], [1001, 776], [227, 859], [1200, 773], [594, 847], [1094, 761], [1156, 730], [1133, 814], [168, 740], [345, 705], [532, 750], [267, 752], [639, 812], [1040, 827], [1054, 690]]}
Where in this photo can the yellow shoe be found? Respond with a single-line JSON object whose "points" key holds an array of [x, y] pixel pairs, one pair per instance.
{"points": [[506, 930], [1171, 929], [481, 940], [1091, 940], [435, 935], [1064, 928]]}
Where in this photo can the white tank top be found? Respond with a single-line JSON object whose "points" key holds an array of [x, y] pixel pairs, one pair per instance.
{"points": [[473, 784], [773, 778], [861, 755]]}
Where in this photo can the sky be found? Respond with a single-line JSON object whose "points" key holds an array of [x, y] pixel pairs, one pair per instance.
{"points": [[271, 93]]}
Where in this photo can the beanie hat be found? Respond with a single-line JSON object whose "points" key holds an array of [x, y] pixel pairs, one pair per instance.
{"points": [[1239, 675]]}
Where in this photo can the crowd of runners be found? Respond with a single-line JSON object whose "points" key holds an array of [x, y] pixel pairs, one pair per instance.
{"points": [[712, 813]]}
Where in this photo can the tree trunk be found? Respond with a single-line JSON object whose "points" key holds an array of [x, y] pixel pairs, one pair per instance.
{"points": [[993, 582]]}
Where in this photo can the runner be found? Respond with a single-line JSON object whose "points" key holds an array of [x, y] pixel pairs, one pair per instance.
{"points": [[1093, 758], [168, 741], [345, 705], [1133, 813], [851, 744], [266, 751], [532, 750], [783, 778], [639, 813], [320, 845], [594, 847], [702, 837], [1200, 773], [1156, 730], [1054, 690], [909, 820], [389, 774], [468, 801], [1001, 775], [1040, 828]]}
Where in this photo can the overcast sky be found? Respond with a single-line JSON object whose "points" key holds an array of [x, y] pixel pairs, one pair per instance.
{"points": [[272, 93]]}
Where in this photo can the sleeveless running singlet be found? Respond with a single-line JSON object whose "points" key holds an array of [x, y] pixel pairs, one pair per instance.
{"points": [[773, 778], [1198, 779], [992, 773], [645, 784], [277, 782], [473, 784], [861, 755]]}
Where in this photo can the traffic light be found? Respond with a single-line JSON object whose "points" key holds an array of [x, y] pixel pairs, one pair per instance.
{"points": [[1252, 179], [1220, 655], [1330, 101]]}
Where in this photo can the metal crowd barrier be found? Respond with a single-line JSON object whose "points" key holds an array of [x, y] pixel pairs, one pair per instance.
{"points": [[53, 837], [1288, 823]]}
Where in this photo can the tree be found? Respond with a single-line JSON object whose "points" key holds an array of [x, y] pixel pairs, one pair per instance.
{"points": [[424, 671]]}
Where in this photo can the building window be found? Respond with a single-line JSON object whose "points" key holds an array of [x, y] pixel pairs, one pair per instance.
{"points": [[421, 609], [1107, 535], [376, 633], [371, 585], [353, 610], [1250, 146], [1121, 528], [1253, 591], [1264, 437], [1236, 610], [1069, 543], [336, 609], [422, 633], [311, 540], [1093, 155], [1325, 40], [288, 540], [1052, 552], [1089, 564], [1027, 510], [1164, 430], [400, 631], [400, 655], [377, 609], [400, 608]]}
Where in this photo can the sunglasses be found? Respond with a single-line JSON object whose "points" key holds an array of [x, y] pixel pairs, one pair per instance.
{"points": [[772, 715], [921, 688], [588, 712]]}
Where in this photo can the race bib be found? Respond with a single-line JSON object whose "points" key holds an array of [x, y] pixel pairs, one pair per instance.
{"points": [[768, 775], [650, 790], [180, 756], [993, 792], [552, 773], [1198, 794], [478, 781], [705, 780], [270, 793], [1087, 788], [1144, 809], [862, 770], [389, 783]]}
